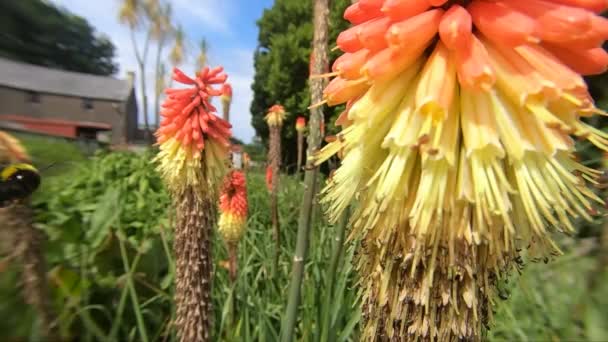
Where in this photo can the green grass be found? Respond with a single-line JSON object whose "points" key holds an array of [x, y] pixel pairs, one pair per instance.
{"points": [[111, 268]]}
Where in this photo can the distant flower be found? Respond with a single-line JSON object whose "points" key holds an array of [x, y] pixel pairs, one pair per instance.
{"points": [[275, 115], [269, 178], [233, 207], [300, 124], [226, 92], [194, 141], [460, 157]]}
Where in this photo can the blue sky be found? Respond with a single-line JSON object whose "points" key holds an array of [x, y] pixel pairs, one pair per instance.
{"points": [[228, 25]]}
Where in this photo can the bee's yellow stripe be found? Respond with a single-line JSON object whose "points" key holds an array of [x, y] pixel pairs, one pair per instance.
{"points": [[11, 169]]}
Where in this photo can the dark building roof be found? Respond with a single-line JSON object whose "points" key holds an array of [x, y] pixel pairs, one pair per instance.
{"points": [[60, 82]]}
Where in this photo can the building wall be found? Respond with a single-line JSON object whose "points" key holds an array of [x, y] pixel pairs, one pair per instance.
{"points": [[50, 106]]}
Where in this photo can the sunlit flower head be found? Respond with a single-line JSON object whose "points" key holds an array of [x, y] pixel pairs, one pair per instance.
{"points": [[457, 145], [275, 115], [300, 124], [233, 207], [193, 140]]}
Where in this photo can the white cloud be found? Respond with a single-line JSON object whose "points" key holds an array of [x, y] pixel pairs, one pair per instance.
{"points": [[212, 14]]}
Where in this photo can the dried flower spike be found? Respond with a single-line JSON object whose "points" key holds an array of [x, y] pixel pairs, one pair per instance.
{"points": [[456, 142]]}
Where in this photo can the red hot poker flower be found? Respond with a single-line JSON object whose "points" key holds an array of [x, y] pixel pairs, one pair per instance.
{"points": [[190, 126]]}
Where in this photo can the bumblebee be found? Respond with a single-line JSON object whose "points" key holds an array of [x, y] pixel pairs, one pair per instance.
{"points": [[17, 181]]}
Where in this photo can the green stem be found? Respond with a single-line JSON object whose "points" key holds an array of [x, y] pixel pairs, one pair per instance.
{"points": [[138, 315], [121, 304], [331, 276], [320, 21]]}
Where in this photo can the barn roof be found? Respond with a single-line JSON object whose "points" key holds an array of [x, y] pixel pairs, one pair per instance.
{"points": [[60, 82]]}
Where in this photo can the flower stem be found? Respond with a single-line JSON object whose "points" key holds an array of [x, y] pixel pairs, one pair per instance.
{"points": [[331, 276], [321, 13]]}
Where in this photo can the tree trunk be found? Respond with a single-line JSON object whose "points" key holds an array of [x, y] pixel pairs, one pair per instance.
{"points": [[320, 51]]}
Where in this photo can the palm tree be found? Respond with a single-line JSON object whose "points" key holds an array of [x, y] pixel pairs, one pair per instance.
{"points": [[134, 13], [161, 31]]}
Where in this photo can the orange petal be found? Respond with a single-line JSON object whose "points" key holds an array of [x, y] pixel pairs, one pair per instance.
{"points": [[340, 90], [371, 34], [403, 9], [585, 62], [502, 24], [473, 65], [389, 62], [415, 31], [555, 22], [356, 15], [455, 28], [349, 64], [596, 6], [348, 40]]}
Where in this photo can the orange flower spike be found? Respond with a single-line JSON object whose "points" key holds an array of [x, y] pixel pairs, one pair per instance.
{"points": [[349, 64], [189, 124], [226, 91], [455, 28], [585, 62], [502, 24], [233, 207], [403, 9], [415, 31], [300, 123], [474, 67], [356, 15], [596, 6]]}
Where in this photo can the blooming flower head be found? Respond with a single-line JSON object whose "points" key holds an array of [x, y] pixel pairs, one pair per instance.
{"points": [[193, 140], [457, 145], [233, 207], [300, 124], [275, 116], [226, 92]]}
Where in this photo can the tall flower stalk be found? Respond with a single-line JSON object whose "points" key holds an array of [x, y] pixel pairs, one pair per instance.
{"points": [[274, 119], [457, 145], [300, 128], [194, 148]]}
